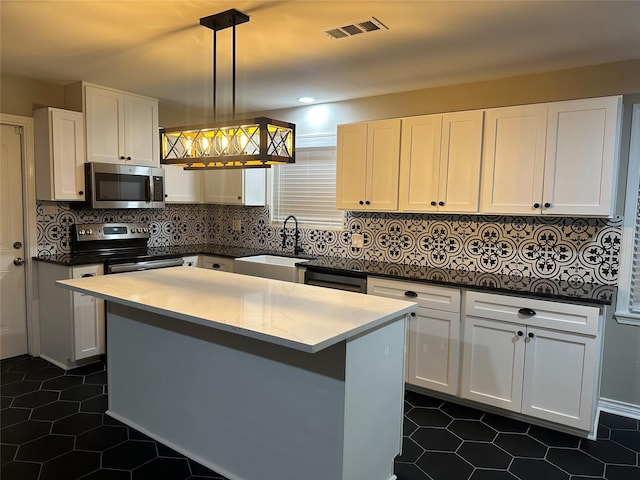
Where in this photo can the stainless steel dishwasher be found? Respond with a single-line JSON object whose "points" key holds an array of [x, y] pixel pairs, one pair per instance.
{"points": [[352, 282]]}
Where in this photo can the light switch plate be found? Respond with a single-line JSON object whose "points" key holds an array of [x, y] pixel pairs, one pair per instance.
{"points": [[237, 225], [357, 240]]}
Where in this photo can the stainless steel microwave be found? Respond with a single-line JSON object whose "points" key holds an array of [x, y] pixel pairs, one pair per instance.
{"points": [[111, 185]]}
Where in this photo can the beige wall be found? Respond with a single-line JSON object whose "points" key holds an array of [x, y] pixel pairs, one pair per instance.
{"points": [[20, 96], [593, 81]]}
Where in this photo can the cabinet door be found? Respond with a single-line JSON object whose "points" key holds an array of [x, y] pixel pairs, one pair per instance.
{"points": [[183, 186], [559, 377], [68, 155], [420, 163], [492, 363], [459, 172], [351, 166], [581, 157], [514, 152], [141, 134], [433, 350], [88, 318], [383, 165], [104, 125], [236, 186], [223, 186]]}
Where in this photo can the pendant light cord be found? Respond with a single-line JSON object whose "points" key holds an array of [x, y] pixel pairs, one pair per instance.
{"points": [[233, 81], [215, 75]]}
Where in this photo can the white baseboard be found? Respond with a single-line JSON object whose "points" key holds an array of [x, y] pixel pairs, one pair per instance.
{"points": [[619, 408]]}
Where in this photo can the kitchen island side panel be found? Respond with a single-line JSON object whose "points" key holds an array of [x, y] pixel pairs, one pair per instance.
{"points": [[248, 409]]}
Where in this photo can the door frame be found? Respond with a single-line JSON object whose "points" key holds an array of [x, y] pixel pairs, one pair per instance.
{"points": [[30, 230]]}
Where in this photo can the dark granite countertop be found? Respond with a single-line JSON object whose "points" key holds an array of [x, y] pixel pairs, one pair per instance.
{"points": [[542, 288], [158, 253]]}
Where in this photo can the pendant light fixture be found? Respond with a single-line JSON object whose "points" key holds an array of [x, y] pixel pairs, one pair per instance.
{"points": [[257, 142]]}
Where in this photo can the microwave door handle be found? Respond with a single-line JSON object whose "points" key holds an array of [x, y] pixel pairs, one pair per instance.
{"points": [[147, 189]]}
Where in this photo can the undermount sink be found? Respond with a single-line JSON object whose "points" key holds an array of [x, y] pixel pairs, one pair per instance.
{"points": [[268, 266]]}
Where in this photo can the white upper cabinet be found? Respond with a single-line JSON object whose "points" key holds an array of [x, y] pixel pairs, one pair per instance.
{"points": [[513, 161], [120, 127], [183, 186], [368, 165], [235, 186], [581, 159], [59, 154], [553, 159], [440, 162]]}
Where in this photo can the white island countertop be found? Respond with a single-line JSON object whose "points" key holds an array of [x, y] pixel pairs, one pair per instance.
{"points": [[298, 316]]}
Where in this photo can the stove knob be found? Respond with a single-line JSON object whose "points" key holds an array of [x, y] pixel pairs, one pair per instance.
{"points": [[145, 230], [139, 230], [90, 231], [81, 231]]}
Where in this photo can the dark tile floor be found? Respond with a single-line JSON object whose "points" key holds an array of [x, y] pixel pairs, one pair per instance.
{"points": [[53, 427]]}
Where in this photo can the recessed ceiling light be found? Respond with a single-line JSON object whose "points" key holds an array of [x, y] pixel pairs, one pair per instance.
{"points": [[306, 99]]}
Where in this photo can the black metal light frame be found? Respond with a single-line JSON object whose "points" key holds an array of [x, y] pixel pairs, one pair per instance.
{"points": [[251, 143]]}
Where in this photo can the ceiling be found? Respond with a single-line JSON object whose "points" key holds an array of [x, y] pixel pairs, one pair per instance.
{"points": [[158, 48]]}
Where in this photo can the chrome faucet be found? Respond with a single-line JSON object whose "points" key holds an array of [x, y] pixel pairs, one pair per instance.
{"points": [[296, 248]]}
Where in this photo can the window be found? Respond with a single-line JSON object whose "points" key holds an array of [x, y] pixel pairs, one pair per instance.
{"points": [[628, 303], [307, 188]]}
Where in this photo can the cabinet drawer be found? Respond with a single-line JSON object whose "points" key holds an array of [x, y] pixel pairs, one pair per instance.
{"points": [[427, 296], [539, 313], [218, 263]]}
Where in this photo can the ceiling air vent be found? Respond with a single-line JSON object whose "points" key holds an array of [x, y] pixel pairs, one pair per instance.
{"points": [[355, 28]]}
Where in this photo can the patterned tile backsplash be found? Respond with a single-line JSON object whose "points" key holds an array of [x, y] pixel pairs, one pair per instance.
{"points": [[584, 249]]}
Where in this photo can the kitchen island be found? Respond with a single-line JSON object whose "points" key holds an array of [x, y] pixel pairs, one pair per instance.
{"points": [[257, 379]]}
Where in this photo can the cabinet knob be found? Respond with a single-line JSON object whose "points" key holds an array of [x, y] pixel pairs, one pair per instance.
{"points": [[128, 158], [361, 202], [547, 205], [531, 335], [433, 204], [529, 312], [166, 195], [413, 314], [520, 333], [215, 265], [367, 202], [239, 197], [121, 157], [536, 205], [410, 294], [81, 192], [441, 204]]}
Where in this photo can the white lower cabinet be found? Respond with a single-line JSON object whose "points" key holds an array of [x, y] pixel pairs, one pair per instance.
{"points": [[223, 264], [433, 333], [72, 328], [191, 261], [535, 357]]}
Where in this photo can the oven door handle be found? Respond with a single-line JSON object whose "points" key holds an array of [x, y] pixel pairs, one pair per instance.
{"points": [[137, 266]]}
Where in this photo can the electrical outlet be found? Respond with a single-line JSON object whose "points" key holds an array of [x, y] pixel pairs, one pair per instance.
{"points": [[237, 225], [357, 240]]}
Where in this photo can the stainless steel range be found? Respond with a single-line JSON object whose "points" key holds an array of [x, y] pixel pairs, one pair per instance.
{"points": [[121, 246]]}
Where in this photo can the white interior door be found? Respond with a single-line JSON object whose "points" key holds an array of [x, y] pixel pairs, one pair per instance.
{"points": [[13, 319]]}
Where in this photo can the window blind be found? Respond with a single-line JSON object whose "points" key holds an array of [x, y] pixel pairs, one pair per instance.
{"points": [[634, 288], [628, 301], [307, 189]]}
